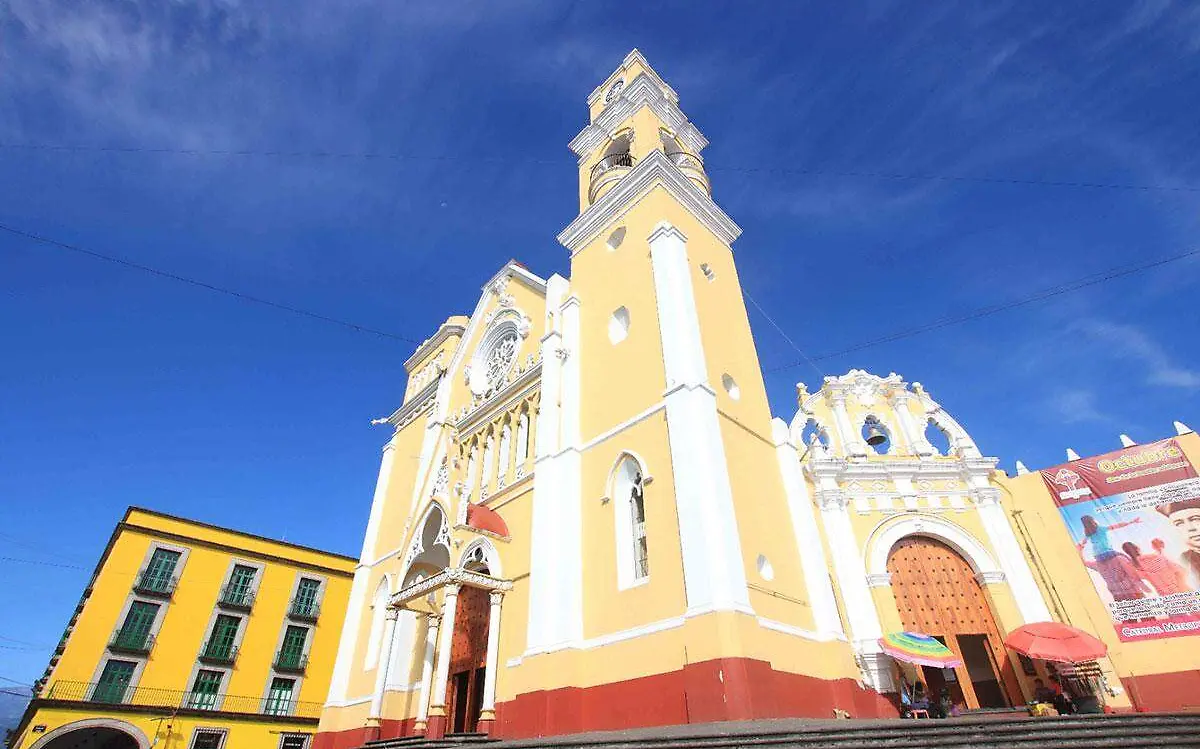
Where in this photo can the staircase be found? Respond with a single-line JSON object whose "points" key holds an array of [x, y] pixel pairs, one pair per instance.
{"points": [[1166, 730], [420, 742]]}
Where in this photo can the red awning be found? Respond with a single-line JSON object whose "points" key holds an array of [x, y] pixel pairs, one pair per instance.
{"points": [[486, 519], [1051, 641]]}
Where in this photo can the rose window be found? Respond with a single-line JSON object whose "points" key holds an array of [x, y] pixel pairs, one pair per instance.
{"points": [[501, 357]]}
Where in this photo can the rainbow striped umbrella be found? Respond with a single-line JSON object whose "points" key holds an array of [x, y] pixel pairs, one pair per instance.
{"points": [[923, 650]]}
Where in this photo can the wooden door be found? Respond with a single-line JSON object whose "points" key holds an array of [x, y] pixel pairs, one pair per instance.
{"points": [[937, 594], [468, 657]]}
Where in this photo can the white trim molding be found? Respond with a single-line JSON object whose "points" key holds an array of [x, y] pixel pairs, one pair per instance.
{"points": [[885, 535], [656, 169]]}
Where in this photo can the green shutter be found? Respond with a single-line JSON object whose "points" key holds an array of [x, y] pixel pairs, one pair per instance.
{"points": [[161, 568], [279, 698], [306, 594], [224, 635], [240, 584], [136, 629], [294, 639], [205, 690], [114, 682]]}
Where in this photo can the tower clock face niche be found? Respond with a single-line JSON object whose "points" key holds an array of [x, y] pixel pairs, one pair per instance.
{"points": [[614, 91]]}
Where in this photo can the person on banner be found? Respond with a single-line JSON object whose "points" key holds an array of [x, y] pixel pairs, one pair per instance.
{"points": [[1184, 517], [1166, 576], [1124, 581]]}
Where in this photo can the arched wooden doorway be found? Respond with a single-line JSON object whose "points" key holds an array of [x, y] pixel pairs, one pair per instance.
{"points": [[937, 594], [468, 660]]}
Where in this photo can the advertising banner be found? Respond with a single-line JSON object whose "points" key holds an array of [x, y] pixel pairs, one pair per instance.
{"points": [[1134, 515]]}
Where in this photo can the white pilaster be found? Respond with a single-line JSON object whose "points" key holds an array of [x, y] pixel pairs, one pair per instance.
{"points": [[339, 682], [431, 636], [442, 672], [914, 434], [713, 568], [861, 614], [493, 651], [389, 642], [399, 672], [1012, 561], [808, 536], [370, 539], [555, 577], [851, 439]]}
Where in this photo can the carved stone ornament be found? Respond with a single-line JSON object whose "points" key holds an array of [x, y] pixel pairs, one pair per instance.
{"points": [[442, 480], [500, 288]]}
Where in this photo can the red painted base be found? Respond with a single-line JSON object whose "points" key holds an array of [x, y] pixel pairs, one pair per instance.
{"points": [[722, 689], [436, 728], [486, 725], [1164, 692]]}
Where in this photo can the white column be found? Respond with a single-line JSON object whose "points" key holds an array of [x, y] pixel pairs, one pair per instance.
{"points": [[1012, 561], [807, 535], [338, 683], [493, 649], [914, 434], [389, 642], [431, 635], [713, 569], [851, 439], [381, 484], [442, 672]]}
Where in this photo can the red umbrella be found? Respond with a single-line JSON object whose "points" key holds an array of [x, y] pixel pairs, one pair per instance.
{"points": [[1051, 641]]}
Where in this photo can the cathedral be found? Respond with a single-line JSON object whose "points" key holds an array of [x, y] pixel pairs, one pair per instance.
{"points": [[587, 517]]}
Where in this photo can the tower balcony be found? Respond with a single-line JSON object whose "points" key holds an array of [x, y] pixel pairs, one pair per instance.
{"points": [[692, 167], [607, 172]]}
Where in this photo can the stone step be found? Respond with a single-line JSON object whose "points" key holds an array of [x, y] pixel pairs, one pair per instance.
{"points": [[1070, 732]]}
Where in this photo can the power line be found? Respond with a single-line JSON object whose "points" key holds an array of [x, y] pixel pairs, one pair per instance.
{"points": [[14, 681], [22, 642], [803, 356], [46, 564], [1037, 296], [201, 284], [483, 159]]}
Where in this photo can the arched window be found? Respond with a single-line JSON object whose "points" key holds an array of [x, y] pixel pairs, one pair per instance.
{"points": [[937, 437], [629, 519], [523, 437], [378, 615], [814, 431], [472, 467], [505, 450], [489, 465], [876, 435]]}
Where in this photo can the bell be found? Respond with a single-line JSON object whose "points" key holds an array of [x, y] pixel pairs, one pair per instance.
{"points": [[875, 434]]}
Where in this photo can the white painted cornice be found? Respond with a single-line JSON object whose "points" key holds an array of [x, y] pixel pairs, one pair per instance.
{"points": [[421, 400], [654, 170], [445, 331], [520, 273], [634, 56], [642, 92], [502, 400]]}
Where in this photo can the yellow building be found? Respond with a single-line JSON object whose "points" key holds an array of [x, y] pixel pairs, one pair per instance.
{"points": [[586, 516], [191, 636]]}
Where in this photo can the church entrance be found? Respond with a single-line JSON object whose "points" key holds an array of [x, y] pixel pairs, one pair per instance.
{"points": [[937, 594], [468, 660]]}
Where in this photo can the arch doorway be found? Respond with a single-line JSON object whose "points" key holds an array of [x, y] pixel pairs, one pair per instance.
{"points": [[468, 656], [96, 736], [937, 594]]}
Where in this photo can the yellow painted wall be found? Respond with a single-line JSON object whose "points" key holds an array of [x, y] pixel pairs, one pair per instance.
{"points": [[169, 732]]}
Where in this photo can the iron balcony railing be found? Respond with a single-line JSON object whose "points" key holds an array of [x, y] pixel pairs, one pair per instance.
{"points": [[219, 653], [155, 584], [305, 610], [291, 660], [236, 597], [612, 161], [121, 694], [125, 641]]}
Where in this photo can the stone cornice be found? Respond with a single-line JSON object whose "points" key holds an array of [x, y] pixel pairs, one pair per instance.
{"points": [[643, 91], [429, 344], [525, 383], [655, 169], [421, 400], [451, 576]]}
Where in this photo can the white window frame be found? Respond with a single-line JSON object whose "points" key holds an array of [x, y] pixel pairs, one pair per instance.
{"points": [[223, 732]]}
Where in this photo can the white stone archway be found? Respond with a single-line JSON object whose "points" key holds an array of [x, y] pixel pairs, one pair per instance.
{"points": [[491, 557], [129, 729], [885, 536]]}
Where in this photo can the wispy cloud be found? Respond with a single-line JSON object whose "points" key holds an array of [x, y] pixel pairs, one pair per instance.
{"points": [[1077, 406], [1132, 343]]}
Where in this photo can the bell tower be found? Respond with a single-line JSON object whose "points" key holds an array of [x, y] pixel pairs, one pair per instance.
{"points": [[633, 114]]}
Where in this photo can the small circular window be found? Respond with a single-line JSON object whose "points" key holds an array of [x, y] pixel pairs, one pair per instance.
{"points": [[614, 91]]}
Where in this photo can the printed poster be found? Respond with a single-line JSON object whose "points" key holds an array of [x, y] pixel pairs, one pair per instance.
{"points": [[1134, 516]]}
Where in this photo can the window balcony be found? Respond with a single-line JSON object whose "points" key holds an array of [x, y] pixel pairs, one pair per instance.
{"points": [[127, 694], [607, 172], [218, 654], [692, 167], [291, 661], [236, 597], [151, 584], [137, 643], [305, 611]]}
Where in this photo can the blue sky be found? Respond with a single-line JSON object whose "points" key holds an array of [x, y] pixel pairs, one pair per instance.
{"points": [[122, 388]]}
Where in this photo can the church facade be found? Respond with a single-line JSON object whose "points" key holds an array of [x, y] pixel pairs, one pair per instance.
{"points": [[587, 517]]}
